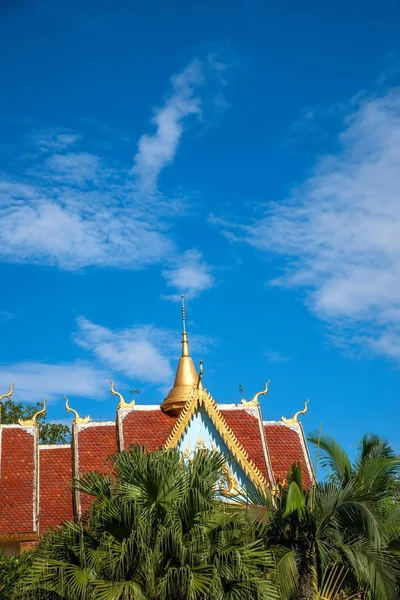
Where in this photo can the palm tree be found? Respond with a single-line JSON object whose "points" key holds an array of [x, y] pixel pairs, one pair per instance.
{"points": [[340, 534], [156, 531]]}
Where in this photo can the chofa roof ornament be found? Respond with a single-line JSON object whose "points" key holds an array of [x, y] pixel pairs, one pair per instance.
{"points": [[78, 420], [295, 418], [33, 420], [121, 403], [254, 401], [8, 395]]}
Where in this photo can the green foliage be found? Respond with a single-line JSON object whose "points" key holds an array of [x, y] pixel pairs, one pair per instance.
{"points": [[49, 433], [12, 570], [343, 533], [157, 531]]}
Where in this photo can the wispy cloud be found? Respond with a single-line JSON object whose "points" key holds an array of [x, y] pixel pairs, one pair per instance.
{"points": [[275, 357], [340, 229], [53, 140], [36, 380], [136, 355], [72, 209], [158, 150], [141, 353], [189, 274]]}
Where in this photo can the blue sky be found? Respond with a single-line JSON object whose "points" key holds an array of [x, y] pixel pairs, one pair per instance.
{"points": [[243, 153]]}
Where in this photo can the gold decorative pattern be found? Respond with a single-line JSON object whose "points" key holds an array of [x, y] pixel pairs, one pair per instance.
{"points": [[254, 401], [186, 453], [202, 398], [122, 403], [295, 418], [78, 420], [33, 421], [232, 487]]}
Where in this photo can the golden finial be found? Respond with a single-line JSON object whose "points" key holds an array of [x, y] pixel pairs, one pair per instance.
{"points": [[122, 403], [254, 401], [9, 393], [78, 420], [186, 376], [295, 418], [33, 420]]}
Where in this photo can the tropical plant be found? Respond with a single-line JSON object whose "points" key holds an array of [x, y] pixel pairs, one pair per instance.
{"points": [[340, 535], [156, 531]]}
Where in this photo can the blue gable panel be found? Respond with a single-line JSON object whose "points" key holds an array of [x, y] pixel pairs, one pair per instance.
{"points": [[202, 432]]}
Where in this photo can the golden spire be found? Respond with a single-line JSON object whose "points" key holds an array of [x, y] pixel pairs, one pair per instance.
{"points": [[186, 376]]}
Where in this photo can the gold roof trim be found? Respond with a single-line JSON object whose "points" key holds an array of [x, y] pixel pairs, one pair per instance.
{"points": [[295, 418], [201, 397], [33, 422], [78, 420], [254, 401], [122, 403]]}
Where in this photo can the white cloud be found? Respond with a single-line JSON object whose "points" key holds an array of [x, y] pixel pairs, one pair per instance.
{"points": [[36, 380], [158, 150], [341, 229], [75, 168], [141, 353], [73, 209], [189, 275], [54, 140], [77, 229], [276, 357]]}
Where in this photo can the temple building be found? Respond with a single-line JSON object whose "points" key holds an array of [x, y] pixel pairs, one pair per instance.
{"points": [[36, 490]]}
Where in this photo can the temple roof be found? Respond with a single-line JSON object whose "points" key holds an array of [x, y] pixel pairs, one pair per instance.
{"points": [[36, 481]]}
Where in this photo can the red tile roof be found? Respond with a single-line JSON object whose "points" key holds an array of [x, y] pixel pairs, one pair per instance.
{"points": [[246, 427], [96, 444], [148, 428], [17, 475], [285, 448], [55, 486]]}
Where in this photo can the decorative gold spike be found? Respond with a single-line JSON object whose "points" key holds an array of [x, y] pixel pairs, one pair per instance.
{"points": [[186, 453], [254, 401], [9, 393], [78, 420], [33, 421], [295, 418], [122, 403], [199, 384]]}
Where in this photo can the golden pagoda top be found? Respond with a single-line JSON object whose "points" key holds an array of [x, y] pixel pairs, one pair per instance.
{"points": [[186, 375]]}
